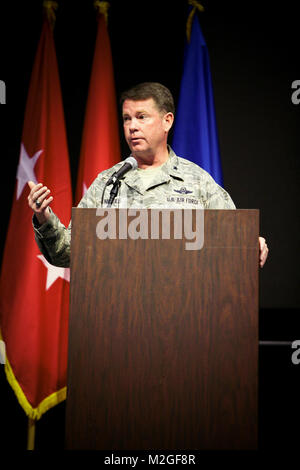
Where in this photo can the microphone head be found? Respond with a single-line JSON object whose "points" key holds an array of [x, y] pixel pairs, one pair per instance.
{"points": [[132, 161]]}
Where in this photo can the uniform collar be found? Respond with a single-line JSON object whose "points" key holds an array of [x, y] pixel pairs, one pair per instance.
{"points": [[170, 169]]}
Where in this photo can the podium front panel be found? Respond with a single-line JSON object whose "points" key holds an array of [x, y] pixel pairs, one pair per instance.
{"points": [[163, 340]]}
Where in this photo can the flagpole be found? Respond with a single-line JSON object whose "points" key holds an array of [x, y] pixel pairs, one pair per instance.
{"points": [[31, 434]]}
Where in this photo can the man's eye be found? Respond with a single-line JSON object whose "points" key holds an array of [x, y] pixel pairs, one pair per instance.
{"points": [[142, 116], [125, 118]]}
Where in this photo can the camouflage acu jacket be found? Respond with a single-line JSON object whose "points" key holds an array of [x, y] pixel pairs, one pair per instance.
{"points": [[179, 184]]}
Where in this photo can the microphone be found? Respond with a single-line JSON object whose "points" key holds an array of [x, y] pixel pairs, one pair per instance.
{"points": [[129, 164]]}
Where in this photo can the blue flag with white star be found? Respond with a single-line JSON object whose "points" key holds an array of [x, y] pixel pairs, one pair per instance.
{"points": [[195, 131]]}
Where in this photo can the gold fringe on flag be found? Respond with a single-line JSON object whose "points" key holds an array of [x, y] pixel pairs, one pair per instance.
{"points": [[102, 8], [50, 7], [196, 6], [48, 402], [33, 413]]}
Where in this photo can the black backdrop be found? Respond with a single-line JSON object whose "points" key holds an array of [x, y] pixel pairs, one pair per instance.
{"points": [[254, 55]]}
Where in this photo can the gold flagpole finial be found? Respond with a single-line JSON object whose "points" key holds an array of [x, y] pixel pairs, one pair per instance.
{"points": [[102, 8], [50, 7], [196, 6]]}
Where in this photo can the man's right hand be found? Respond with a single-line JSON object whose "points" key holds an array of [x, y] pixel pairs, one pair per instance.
{"points": [[39, 200]]}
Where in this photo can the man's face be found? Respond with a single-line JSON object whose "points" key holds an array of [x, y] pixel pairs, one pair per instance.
{"points": [[145, 127]]}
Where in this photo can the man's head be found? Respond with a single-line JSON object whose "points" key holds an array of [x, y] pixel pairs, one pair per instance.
{"points": [[160, 94], [148, 115]]}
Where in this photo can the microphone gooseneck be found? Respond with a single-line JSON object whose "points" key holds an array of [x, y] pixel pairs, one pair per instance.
{"points": [[129, 164]]}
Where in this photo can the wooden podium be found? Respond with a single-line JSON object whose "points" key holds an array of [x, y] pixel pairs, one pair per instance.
{"points": [[163, 341]]}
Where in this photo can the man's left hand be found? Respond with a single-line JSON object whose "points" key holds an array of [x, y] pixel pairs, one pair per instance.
{"points": [[263, 251]]}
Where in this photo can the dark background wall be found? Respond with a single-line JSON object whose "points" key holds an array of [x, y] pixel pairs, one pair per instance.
{"points": [[254, 55]]}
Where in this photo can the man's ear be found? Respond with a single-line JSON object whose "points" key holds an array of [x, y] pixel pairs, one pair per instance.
{"points": [[168, 121]]}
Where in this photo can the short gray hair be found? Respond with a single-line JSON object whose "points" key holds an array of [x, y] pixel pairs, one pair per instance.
{"points": [[160, 94]]}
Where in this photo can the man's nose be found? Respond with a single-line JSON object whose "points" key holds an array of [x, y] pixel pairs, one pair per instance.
{"points": [[133, 126]]}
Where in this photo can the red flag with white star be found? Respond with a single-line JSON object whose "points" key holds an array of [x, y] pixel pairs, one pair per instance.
{"points": [[100, 148], [34, 295]]}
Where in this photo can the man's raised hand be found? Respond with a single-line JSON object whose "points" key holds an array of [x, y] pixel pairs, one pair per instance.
{"points": [[39, 200]]}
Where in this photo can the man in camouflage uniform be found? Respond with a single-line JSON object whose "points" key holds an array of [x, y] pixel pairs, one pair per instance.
{"points": [[162, 179]]}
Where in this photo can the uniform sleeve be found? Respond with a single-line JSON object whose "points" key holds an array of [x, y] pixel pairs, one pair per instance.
{"points": [[53, 240], [217, 197]]}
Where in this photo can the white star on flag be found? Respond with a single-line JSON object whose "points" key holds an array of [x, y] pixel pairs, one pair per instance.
{"points": [[26, 169], [54, 272]]}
